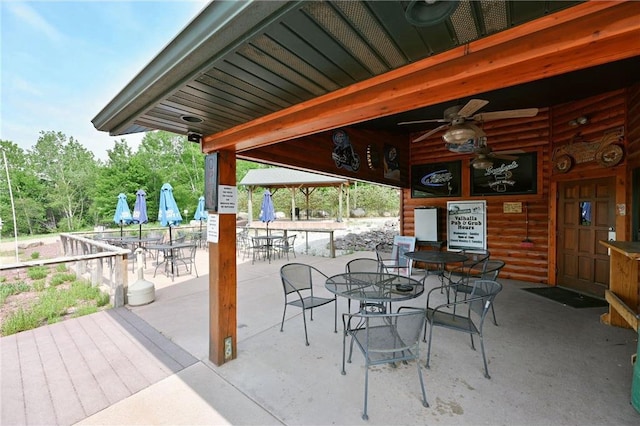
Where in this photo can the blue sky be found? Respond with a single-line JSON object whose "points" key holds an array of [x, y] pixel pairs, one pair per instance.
{"points": [[61, 62]]}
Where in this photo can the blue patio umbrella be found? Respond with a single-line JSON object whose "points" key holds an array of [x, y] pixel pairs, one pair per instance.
{"points": [[267, 212], [201, 213], [123, 214], [168, 213], [140, 209]]}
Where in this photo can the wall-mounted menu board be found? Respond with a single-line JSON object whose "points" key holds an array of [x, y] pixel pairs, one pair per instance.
{"points": [[507, 177], [435, 180], [466, 225]]}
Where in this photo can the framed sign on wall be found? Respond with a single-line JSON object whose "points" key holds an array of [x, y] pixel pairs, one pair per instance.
{"points": [[467, 225], [507, 177], [435, 180]]}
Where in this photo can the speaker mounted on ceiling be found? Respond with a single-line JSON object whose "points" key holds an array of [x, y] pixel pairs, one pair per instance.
{"points": [[424, 13]]}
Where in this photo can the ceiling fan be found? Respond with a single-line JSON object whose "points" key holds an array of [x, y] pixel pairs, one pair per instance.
{"points": [[459, 121], [484, 155]]}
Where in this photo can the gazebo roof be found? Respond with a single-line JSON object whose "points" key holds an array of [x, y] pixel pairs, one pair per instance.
{"points": [[287, 178]]}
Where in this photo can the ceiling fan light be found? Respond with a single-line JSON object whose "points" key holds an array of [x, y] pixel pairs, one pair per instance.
{"points": [[482, 164], [459, 134]]}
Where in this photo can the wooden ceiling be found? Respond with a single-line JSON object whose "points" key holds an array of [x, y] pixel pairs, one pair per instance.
{"points": [[250, 74]]}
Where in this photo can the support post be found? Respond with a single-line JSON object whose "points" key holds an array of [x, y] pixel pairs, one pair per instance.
{"points": [[223, 275]]}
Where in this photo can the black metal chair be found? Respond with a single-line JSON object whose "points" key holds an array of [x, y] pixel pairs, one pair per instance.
{"points": [[285, 246], [384, 338], [489, 271], [186, 256], [298, 282], [469, 318], [363, 264]]}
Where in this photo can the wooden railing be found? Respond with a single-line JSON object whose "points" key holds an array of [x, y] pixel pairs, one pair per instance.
{"points": [[102, 264]]}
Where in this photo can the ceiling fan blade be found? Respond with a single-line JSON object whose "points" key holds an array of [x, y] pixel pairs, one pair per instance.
{"points": [[501, 156], [513, 113], [431, 120], [471, 107], [429, 133]]}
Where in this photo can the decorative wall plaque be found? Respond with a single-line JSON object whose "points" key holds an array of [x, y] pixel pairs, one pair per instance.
{"points": [[606, 152]]}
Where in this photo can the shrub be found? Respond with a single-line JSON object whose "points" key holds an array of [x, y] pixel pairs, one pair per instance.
{"points": [[37, 272], [35, 255], [59, 278], [61, 267], [10, 289], [19, 321]]}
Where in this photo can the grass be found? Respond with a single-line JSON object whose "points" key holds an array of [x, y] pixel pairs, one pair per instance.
{"points": [[54, 297]]}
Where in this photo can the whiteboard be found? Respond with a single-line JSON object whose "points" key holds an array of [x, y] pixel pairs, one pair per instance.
{"points": [[426, 223]]}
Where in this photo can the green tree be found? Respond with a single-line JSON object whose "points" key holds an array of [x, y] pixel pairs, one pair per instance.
{"points": [[28, 193], [68, 170]]}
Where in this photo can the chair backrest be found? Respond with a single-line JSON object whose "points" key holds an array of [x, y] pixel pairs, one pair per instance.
{"points": [[491, 269], [482, 296], [363, 264], [290, 241], [297, 277], [393, 333]]}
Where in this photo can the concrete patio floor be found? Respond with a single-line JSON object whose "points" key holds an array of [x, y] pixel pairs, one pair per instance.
{"points": [[549, 364]]}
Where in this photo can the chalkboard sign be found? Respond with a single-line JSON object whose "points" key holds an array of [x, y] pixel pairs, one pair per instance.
{"points": [[435, 180], [507, 177]]}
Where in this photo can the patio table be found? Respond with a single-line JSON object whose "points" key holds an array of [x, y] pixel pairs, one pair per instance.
{"points": [[267, 242], [440, 258], [169, 258], [374, 289]]}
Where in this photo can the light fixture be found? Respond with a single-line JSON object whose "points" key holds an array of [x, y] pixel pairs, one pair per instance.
{"points": [[482, 163], [191, 119], [579, 121], [459, 134]]}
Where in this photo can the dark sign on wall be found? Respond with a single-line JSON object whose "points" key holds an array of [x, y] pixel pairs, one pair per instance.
{"points": [[435, 180], [506, 177], [211, 182]]}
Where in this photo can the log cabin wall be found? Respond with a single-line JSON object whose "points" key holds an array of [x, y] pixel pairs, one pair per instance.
{"points": [[542, 134], [505, 231], [633, 127]]}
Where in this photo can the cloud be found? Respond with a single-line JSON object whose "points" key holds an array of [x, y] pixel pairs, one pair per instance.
{"points": [[30, 17]]}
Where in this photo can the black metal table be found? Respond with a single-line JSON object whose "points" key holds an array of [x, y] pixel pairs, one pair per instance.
{"points": [[169, 257], [440, 258], [374, 288]]}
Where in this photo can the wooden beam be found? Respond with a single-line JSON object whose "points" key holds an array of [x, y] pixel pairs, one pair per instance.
{"points": [[223, 279], [583, 36], [622, 309]]}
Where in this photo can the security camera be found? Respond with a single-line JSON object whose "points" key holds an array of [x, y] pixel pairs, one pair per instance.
{"points": [[194, 137]]}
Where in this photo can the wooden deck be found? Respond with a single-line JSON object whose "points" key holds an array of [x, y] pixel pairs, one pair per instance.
{"points": [[63, 373]]}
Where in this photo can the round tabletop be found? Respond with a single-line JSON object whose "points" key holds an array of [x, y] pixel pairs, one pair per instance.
{"points": [[374, 286], [432, 256]]}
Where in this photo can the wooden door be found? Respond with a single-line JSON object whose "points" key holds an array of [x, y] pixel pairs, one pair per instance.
{"points": [[586, 211]]}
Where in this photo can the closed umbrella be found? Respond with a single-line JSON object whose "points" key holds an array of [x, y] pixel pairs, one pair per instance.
{"points": [[140, 210], [168, 213], [201, 213], [267, 212], [123, 214]]}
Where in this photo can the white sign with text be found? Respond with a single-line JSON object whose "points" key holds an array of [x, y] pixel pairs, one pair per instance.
{"points": [[467, 225], [227, 199], [212, 228]]}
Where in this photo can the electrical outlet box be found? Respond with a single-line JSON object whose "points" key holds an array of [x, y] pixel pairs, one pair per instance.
{"points": [[228, 348]]}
